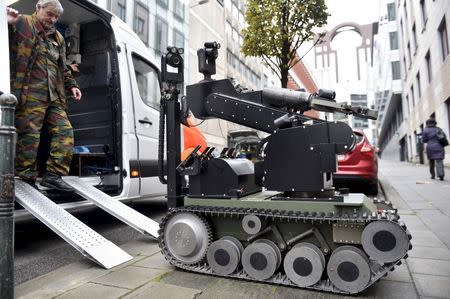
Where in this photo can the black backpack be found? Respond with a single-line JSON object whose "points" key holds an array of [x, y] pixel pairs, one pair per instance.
{"points": [[441, 137]]}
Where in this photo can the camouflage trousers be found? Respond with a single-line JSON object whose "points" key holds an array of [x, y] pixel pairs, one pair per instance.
{"points": [[30, 118]]}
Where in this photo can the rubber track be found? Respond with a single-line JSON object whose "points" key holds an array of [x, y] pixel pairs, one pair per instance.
{"points": [[378, 271]]}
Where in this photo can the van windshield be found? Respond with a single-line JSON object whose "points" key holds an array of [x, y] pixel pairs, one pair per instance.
{"points": [[147, 82]]}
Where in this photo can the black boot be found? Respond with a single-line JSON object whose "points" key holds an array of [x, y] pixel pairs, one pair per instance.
{"points": [[441, 178], [54, 181], [30, 182]]}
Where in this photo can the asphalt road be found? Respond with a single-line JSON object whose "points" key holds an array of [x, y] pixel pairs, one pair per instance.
{"points": [[38, 250]]}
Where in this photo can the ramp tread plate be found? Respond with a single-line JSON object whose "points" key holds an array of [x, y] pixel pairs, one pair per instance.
{"points": [[113, 206], [72, 230]]}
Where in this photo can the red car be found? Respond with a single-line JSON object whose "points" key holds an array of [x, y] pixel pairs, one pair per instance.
{"points": [[358, 169]]}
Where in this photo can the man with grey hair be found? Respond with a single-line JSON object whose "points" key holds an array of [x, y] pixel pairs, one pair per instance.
{"points": [[40, 79]]}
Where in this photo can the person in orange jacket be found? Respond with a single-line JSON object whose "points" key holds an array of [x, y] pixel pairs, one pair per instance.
{"points": [[192, 137]]}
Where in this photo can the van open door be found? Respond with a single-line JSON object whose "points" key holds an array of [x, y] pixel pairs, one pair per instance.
{"points": [[146, 98]]}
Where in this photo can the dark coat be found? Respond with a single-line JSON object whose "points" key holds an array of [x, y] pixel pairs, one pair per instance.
{"points": [[435, 151]]}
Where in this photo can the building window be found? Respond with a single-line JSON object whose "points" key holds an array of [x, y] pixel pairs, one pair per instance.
{"points": [[413, 97], [235, 35], [409, 54], [235, 12], [393, 39], [402, 28], [359, 100], [414, 38], [178, 39], [228, 5], [228, 29], [406, 12], [140, 24], [391, 11], [408, 106], [428, 63], [241, 20], [163, 3], [395, 70], [119, 8], [405, 67], [178, 9], [419, 89], [161, 35], [122, 11], [229, 57], [423, 12], [443, 36]]}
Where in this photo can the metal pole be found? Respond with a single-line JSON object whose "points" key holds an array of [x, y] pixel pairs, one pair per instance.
{"points": [[7, 151], [175, 196]]}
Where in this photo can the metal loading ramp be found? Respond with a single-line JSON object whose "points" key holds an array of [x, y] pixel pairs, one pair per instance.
{"points": [[72, 230], [114, 207]]}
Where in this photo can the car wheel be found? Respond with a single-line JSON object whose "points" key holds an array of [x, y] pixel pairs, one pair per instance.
{"points": [[372, 188]]}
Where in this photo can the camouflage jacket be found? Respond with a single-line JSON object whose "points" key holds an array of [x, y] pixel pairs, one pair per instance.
{"points": [[24, 37]]}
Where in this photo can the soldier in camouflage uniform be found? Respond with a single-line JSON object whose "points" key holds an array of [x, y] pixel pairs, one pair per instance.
{"points": [[39, 79]]}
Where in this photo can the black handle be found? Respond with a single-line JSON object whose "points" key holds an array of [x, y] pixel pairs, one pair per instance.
{"points": [[145, 121]]}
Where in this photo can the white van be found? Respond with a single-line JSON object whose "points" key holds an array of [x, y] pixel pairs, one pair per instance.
{"points": [[116, 122]]}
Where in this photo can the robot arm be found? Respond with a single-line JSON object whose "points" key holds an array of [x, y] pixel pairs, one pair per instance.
{"points": [[264, 110]]}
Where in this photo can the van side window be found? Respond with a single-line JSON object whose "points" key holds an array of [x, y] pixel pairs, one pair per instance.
{"points": [[147, 82]]}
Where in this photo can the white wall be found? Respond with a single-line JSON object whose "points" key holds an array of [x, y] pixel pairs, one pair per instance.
{"points": [[4, 52]]}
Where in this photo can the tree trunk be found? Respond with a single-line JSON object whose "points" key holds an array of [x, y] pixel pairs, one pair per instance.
{"points": [[284, 78]]}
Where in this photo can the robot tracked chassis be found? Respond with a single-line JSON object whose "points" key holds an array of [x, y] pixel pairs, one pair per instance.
{"points": [[298, 231]]}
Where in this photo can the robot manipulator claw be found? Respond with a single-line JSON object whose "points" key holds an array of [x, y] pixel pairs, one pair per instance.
{"points": [[326, 105]]}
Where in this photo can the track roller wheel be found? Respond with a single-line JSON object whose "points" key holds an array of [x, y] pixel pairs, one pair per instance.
{"points": [[385, 241], [304, 264], [187, 237], [251, 224], [224, 255], [261, 259], [349, 269]]}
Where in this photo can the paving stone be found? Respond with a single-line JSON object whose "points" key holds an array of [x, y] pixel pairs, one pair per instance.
{"points": [[237, 289], [94, 291], [430, 253], [160, 290], [426, 238], [130, 277], [142, 246], [391, 289], [413, 222], [156, 261], [400, 273], [438, 222], [60, 280], [297, 293], [190, 280], [135, 259], [428, 266], [432, 286], [423, 205]]}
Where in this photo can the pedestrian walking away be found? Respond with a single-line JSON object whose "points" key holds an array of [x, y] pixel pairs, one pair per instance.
{"points": [[40, 79], [435, 150]]}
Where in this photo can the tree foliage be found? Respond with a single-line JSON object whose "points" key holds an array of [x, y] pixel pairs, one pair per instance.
{"points": [[277, 28]]}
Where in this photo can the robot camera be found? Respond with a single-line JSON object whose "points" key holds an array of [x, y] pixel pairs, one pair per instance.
{"points": [[173, 59], [207, 59]]}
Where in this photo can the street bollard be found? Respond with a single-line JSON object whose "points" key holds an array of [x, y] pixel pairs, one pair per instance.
{"points": [[7, 153]]}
